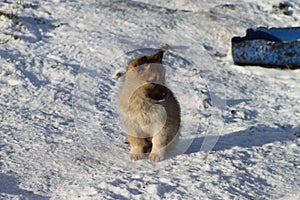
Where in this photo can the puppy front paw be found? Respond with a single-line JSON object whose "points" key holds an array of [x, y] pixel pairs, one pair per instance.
{"points": [[156, 157], [135, 157]]}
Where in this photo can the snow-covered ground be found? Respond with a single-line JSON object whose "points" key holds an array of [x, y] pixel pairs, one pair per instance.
{"points": [[60, 135]]}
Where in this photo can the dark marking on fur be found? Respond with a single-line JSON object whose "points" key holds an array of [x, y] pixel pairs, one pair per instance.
{"points": [[144, 60], [157, 92]]}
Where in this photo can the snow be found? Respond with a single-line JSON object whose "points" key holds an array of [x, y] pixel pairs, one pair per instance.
{"points": [[60, 132]]}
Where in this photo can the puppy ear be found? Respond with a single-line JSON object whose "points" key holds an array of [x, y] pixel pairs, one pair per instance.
{"points": [[156, 58], [157, 92]]}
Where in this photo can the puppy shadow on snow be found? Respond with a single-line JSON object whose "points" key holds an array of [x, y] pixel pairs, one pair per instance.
{"points": [[253, 136], [9, 185], [37, 28]]}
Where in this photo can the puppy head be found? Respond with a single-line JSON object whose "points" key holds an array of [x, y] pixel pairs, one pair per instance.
{"points": [[147, 69], [153, 58]]}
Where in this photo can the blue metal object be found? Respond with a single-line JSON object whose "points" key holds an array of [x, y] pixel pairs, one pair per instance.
{"points": [[275, 47]]}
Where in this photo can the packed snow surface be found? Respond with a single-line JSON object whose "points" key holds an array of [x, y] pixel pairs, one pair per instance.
{"points": [[60, 132]]}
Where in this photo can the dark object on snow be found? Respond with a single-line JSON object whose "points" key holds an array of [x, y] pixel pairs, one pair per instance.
{"points": [[283, 8], [275, 47]]}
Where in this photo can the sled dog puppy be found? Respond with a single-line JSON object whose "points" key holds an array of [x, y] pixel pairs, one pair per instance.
{"points": [[149, 111]]}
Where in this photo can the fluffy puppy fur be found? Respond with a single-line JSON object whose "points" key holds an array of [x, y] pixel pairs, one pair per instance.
{"points": [[149, 110]]}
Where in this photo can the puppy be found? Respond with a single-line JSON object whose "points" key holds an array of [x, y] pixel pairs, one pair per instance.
{"points": [[149, 111]]}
